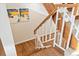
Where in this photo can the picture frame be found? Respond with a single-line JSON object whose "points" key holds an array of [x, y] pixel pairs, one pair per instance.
{"points": [[18, 15]]}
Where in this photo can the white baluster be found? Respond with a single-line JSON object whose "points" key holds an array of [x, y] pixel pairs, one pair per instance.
{"points": [[72, 24], [50, 24], [72, 19], [55, 29], [39, 43]]}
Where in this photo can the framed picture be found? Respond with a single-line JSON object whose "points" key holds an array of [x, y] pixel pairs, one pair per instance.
{"points": [[13, 14], [18, 15], [24, 14]]}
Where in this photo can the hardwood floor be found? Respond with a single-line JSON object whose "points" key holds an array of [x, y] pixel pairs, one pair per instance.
{"points": [[2, 53], [28, 49]]}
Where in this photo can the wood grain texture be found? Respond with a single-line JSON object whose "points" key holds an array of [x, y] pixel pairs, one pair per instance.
{"points": [[49, 7], [73, 42], [28, 49], [2, 53]]}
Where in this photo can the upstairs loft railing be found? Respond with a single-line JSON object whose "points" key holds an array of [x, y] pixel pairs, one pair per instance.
{"points": [[43, 35], [53, 13], [36, 31], [47, 18]]}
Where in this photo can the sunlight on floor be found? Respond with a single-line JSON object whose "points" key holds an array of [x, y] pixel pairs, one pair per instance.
{"points": [[76, 52]]}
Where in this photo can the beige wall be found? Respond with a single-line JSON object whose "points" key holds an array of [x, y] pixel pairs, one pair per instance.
{"points": [[23, 31]]}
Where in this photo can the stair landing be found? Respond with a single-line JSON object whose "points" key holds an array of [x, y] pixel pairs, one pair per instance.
{"points": [[28, 49]]}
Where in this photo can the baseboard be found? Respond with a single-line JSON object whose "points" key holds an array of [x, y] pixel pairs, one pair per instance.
{"points": [[24, 40], [33, 37]]}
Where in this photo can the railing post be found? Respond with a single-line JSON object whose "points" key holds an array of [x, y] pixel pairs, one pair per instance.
{"points": [[6, 32], [55, 29], [38, 42], [62, 29], [72, 18]]}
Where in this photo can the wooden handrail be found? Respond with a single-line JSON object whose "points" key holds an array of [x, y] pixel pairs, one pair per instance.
{"points": [[66, 5], [49, 7], [47, 18], [53, 12]]}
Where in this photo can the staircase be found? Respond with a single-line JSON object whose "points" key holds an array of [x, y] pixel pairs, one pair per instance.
{"points": [[62, 18], [43, 35]]}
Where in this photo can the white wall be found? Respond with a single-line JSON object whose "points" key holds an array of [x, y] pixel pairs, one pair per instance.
{"points": [[47, 27], [24, 31], [38, 7], [6, 33]]}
